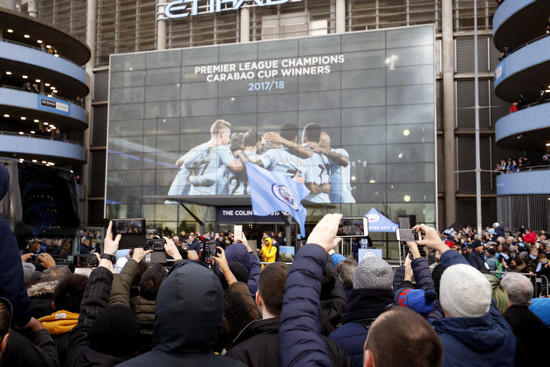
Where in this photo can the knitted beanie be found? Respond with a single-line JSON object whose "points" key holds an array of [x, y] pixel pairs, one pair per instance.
{"points": [[417, 299], [464, 291], [373, 273]]}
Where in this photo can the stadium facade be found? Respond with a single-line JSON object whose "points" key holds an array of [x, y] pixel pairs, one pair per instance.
{"points": [[137, 27]]}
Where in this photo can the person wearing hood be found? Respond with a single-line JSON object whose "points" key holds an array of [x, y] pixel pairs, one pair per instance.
{"points": [[268, 252], [189, 313], [242, 253], [12, 285], [473, 331]]}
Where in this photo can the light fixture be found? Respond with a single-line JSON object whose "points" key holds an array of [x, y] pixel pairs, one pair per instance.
{"points": [[33, 132], [46, 123], [47, 84], [24, 77], [406, 132], [38, 41], [21, 133], [36, 120], [8, 72], [548, 144], [6, 115], [48, 46], [34, 161], [406, 198], [37, 80], [10, 30], [27, 36], [23, 118], [56, 55]]}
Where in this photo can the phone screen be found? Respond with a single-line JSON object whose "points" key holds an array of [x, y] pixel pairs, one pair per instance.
{"points": [[238, 232]]}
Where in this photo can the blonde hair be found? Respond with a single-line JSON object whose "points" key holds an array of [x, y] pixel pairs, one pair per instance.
{"points": [[218, 126], [192, 255]]}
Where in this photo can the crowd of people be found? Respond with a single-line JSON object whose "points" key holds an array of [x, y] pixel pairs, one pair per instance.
{"points": [[323, 310], [521, 102]]}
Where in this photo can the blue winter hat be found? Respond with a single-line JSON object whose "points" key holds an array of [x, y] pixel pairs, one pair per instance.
{"points": [[417, 299]]}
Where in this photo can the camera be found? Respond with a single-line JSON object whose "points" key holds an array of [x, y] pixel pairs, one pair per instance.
{"points": [[208, 250], [158, 256], [85, 261], [353, 227], [132, 231]]}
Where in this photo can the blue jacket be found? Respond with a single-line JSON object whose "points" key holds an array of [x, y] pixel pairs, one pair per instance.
{"points": [[238, 252], [364, 306], [475, 341], [300, 341], [12, 284]]}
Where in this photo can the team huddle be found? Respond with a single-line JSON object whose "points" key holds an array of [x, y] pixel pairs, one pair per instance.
{"points": [[217, 167]]}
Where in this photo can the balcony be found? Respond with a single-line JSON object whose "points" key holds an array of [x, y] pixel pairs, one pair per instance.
{"points": [[69, 78], [527, 129], [524, 183], [41, 149], [66, 115], [518, 21], [524, 71]]}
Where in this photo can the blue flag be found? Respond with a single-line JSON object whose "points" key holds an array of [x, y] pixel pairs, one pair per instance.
{"points": [[271, 192]]}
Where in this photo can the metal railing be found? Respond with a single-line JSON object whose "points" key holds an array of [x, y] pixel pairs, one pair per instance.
{"points": [[62, 138], [59, 56], [55, 96]]}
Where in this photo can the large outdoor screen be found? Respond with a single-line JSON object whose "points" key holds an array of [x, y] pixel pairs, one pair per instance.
{"points": [[350, 116]]}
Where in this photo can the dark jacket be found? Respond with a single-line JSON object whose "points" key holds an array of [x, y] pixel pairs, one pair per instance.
{"points": [[238, 252], [258, 346], [333, 299], [41, 297], [94, 301], [364, 306], [475, 341], [12, 285], [143, 309], [188, 320], [300, 340], [424, 281], [478, 261], [532, 335], [39, 351]]}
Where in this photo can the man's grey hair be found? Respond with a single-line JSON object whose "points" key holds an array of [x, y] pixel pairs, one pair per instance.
{"points": [[519, 288]]}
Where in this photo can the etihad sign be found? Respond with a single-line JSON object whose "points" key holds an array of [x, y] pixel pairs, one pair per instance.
{"points": [[184, 8]]}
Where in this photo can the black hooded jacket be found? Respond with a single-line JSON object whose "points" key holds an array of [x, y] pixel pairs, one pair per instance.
{"points": [[188, 320], [12, 285]]}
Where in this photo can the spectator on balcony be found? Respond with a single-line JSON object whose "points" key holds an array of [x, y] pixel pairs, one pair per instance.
{"points": [[34, 88], [511, 165], [27, 87], [514, 107], [521, 102], [79, 101], [507, 51], [543, 95]]}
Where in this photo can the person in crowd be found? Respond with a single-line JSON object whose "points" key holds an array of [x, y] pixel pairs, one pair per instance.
{"points": [[258, 343], [38, 350], [476, 258], [543, 95], [142, 305], [105, 335], [422, 297], [522, 102], [189, 317], [41, 293], [401, 337], [371, 295], [531, 332], [346, 269], [498, 293], [67, 297], [473, 331], [193, 244], [268, 251], [242, 253], [507, 51]]}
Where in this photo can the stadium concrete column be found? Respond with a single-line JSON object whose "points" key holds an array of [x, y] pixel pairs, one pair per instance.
{"points": [[91, 15], [161, 25], [245, 24], [31, 8], [340, 16], [449, 148]]}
